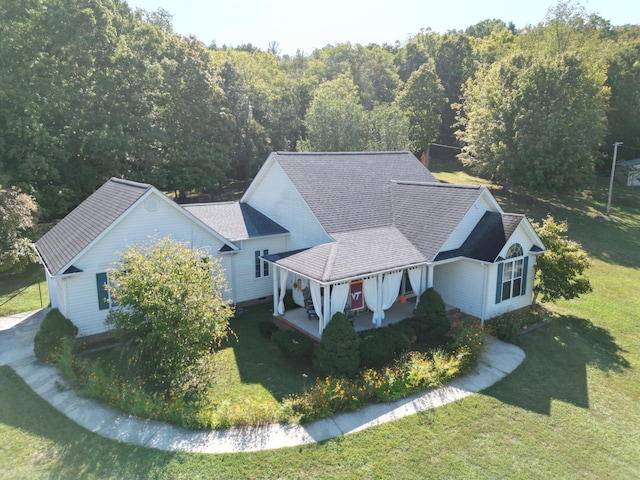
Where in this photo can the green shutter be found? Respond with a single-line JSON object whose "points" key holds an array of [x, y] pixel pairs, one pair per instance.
{"points": [[499, 283], [103, 293], [523, 285]]}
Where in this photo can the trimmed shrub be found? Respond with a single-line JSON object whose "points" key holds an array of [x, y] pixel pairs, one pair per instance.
{"points": [[48, 341], [295, 345], [267, 328], [431, 316], [338, 352], [379, 346]]}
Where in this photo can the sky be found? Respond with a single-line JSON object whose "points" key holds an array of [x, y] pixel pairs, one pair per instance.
{"points": [[299, 25]]}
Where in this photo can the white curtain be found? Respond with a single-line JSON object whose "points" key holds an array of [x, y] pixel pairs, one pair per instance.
{"points": [[415, 278], [316, 296], [283, 290], [390, 289], [339, 296], [370, 291]]}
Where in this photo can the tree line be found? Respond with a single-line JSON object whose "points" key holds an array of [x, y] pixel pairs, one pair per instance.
{"points": [[91, 89]]}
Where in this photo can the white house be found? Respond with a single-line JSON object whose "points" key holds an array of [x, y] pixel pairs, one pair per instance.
{"points": [[357, 229]]}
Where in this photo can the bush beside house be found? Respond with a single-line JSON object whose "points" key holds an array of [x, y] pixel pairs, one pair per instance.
{"points": [[54, 329]]}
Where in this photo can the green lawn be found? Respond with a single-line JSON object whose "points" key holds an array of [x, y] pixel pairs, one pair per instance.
{"points": [[571, 410], [23, 292]]}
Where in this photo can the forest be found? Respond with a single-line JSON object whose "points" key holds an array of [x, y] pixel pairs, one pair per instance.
{"points": [[91, 89]]}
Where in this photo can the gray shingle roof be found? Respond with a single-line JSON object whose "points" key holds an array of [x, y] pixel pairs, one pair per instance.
{"points": [[353, 254], [350, 191], [488, 237], [87, 221], [235, 221], [428, 213]]}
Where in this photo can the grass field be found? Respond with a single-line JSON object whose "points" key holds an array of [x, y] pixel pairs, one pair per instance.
{"points": [[571, 410], [23, 292]]}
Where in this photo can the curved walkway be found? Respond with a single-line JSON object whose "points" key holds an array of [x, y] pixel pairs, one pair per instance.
{"points": [[16, 350]]}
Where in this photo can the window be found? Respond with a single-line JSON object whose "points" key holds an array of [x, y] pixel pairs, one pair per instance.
{"points": [[102, 282], [262, 267], [512, 274]]}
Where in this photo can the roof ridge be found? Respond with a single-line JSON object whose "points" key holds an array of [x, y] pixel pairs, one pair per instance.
{"points": [[331, 259], [206, 204], [438, 184], [130, 183], [340, 153]]}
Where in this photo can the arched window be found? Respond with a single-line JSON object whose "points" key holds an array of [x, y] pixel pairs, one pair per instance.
{"points": [[512, 274]]}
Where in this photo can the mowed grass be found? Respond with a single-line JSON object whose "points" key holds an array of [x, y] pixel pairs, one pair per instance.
{"points": [[23, 292], [571, 410]]}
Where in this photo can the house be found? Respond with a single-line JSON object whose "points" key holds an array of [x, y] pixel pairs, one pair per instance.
{"points": [[633, 171], [351, 230]]}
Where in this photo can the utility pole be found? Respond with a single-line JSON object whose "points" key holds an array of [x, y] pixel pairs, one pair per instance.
{"points": [[613, 172]]}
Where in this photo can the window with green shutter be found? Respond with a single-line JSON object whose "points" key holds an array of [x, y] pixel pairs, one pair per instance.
{"points": [[103, 290]]}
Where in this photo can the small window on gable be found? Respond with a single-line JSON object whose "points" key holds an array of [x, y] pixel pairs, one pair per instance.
{"points": [[512, 274], [515, 250]]}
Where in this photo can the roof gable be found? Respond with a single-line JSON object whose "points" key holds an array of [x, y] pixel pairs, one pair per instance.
{"points": [[350, 191], [428, 213], [69, 237], [235, 220]]}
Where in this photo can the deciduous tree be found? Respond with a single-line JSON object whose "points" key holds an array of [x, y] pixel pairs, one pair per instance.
{"points": [[423, 99], [560, 270], [534, 122], [170, 306], [336, 121], [17, 211]]}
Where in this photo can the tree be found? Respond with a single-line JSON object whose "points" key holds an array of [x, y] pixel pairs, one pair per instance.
{"points": [[388, 128], [17, 211], [560, 270], [170, 307], [423, 100], [534, 122], [335, 120], [624, 80]]}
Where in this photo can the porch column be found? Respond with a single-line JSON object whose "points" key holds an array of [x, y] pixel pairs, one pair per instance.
{"points": [[275, 274], [429, 276], [326, 308], [379, 310]]}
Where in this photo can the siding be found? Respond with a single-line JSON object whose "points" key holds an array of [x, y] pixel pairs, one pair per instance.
{"points": [[460, 284], [468, 223], [276, 197], [139, 225], [244, 282]]}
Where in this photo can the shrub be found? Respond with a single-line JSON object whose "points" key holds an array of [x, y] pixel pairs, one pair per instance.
{"points": [[506, 327], [295, 345], [431, 316], [379, 346], [468, 339], [338, 352], [267, 328], [48, 341]]}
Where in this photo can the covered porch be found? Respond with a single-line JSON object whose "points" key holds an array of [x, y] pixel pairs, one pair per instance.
{"points": [[297, 318]]}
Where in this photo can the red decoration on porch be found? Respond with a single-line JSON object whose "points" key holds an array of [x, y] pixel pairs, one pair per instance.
{"points": [[357, 295]]}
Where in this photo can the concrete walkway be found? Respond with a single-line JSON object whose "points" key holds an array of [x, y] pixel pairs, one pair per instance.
{"points": [[16, 350]]}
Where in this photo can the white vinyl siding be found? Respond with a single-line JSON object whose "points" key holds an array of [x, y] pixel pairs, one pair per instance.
{"points": [[138, 226], [460, 284], [277, 198], [244, 283], [468, 223]]}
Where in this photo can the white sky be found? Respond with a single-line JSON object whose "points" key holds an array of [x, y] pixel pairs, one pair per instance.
{"points": [[298, 24]]}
